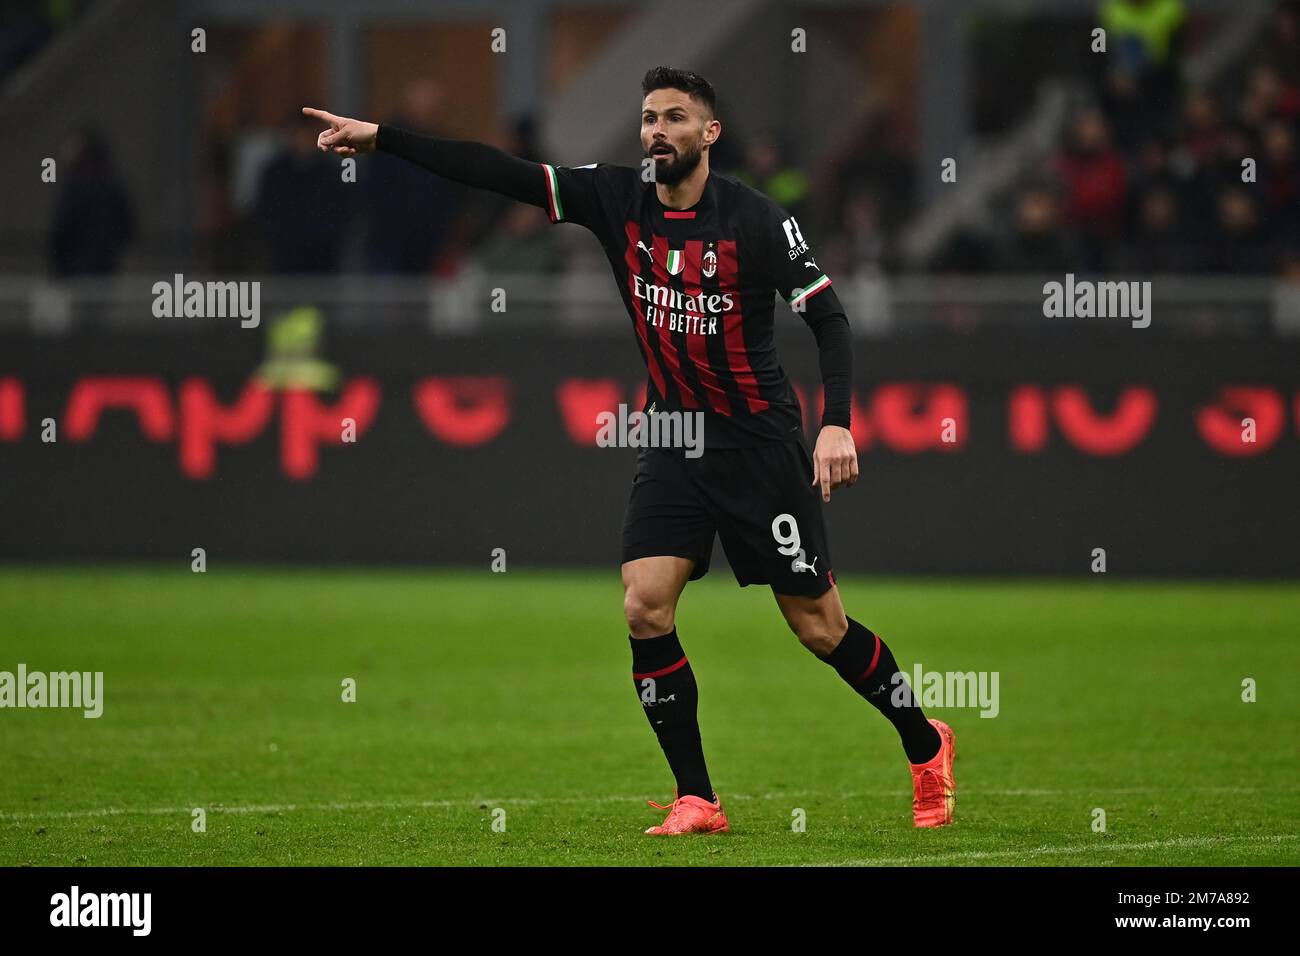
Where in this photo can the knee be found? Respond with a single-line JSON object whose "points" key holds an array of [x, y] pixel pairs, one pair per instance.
{"points": [[820, 632], [646, 615]]}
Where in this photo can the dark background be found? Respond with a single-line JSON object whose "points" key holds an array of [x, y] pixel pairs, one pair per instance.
{"points": [[1172, 504]]}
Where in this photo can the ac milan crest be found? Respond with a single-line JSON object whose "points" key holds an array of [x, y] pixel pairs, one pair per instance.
{"points": [[710, 264]]}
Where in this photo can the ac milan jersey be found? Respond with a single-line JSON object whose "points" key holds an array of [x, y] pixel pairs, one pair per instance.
{"points": [[698, 285]]}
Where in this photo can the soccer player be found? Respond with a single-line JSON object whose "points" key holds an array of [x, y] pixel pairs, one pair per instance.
{"points": [[697, 256]]}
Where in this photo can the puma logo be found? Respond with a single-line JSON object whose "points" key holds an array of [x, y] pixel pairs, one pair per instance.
{"points": [[796, 565], [812, 264], [646, 249]]}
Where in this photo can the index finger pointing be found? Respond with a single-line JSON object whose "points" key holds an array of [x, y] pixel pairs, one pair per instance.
{"points": [[320, 114]]}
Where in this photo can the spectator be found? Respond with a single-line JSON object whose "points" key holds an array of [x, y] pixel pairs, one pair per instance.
{"points": [[301, 200], [1129, 112], [481, 214], [1238, 245], [863, 241], [1094, 175], [766, 170], [410, 211], [1144, 44], [1279, 180], [878, 159], [525, 244], [1143, 35], [1262, 98], [1039, 244], [1160, 245], [1202, 127], [93, 217], [1153, 167], [1281, 53], [1220, 170]]}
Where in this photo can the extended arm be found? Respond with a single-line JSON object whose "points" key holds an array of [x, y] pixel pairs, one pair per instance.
{"points": [[567, 194], [463, 161]]}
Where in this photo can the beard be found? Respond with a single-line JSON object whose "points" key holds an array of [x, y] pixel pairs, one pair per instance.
{"points": [[673, 170]]}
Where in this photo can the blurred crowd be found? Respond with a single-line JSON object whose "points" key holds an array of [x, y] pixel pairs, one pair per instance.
{"points": [[403, 221], [94, 221], [1149, 178], [398, 220], [1156, 177]]}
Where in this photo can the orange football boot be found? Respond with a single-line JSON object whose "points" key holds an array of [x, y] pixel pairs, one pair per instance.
{"points": [[934, 792], [690, 814]]}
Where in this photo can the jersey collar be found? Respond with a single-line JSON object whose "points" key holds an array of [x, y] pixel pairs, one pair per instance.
{"points": [[694, 214]]}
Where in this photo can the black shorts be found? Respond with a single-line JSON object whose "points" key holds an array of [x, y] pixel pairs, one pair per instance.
{"points": [[760, 501]]}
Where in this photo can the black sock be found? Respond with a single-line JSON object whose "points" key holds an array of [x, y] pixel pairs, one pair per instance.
{"points": [[666, 685], [865, 663]]}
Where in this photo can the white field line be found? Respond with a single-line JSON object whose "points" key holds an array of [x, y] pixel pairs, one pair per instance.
{"points": [[470, 802], [295, 807], [1100, 847]]}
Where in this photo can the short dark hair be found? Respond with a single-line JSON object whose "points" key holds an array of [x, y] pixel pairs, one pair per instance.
{"points": [[692, 84]]}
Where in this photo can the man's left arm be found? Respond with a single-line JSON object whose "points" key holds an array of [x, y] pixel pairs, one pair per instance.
{"points": [[807, 289]]}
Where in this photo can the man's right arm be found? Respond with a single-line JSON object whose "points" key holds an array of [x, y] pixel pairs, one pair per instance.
{"points": [[465, 161], [567, 195]]}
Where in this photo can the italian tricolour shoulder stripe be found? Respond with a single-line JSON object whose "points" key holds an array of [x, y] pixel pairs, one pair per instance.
{"points": [[809, 290]]}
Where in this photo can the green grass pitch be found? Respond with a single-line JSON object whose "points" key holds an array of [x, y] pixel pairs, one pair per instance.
{"points": [[479, 692]]}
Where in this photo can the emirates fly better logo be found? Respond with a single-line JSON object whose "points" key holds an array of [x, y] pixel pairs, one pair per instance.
{"points": [[676, 311]]}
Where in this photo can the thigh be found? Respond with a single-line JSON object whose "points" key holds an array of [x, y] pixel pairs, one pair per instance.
{"points": [[666, 514], [769, 517]]}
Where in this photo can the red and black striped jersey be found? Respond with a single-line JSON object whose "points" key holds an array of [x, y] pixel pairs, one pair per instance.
{"points": [[699, 285]]}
